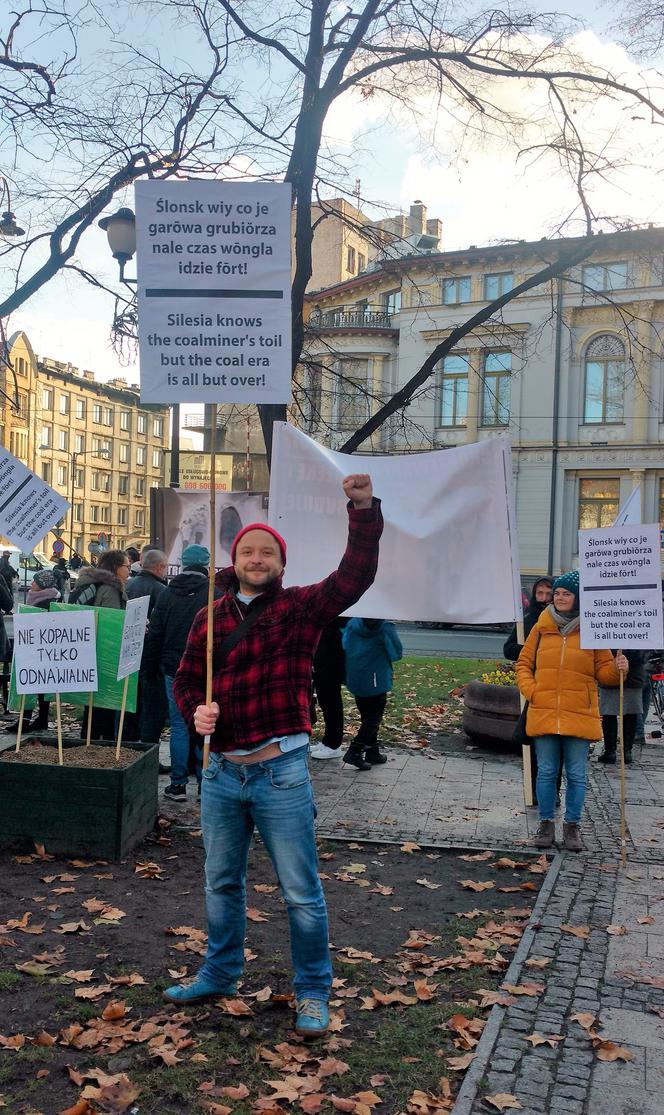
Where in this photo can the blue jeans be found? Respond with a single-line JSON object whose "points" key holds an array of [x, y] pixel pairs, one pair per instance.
{"points": [[276, 798], [179, 743], [575, 755]]}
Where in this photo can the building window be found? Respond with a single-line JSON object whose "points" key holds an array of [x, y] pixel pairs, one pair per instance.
{"points": [[454, 391], [94, 484], [79, 443], [158, 427], [141, 455], [46, 437], [599, 501], [124, 452], [46, 471], [62, 476], [391, 301], [22, 406], [47, 398], [361, 261], [78, 512], [63, 440], [79, 478], [456, 290], [604, 276], [350, 260], [156, 458], [122, 516], [97, 413], [105, 513], [108, 416], [94, 512], [139, 519], [141, 423], [80, 408], [352, 395], [125, 420], [140, 486], [497, 285], [123, 485], [496, 388], [64, 404], [604, 390]]}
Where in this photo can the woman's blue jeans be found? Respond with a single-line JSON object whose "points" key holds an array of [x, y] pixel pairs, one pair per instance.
{"points": [[179, 744], [575, 754], [276, 798]]}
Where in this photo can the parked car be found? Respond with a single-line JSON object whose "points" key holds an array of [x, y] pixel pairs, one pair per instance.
{"points": [[26, 565]]}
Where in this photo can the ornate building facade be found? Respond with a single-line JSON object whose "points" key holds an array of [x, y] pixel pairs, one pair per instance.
{"points": [[93, 442], [572, 371]]}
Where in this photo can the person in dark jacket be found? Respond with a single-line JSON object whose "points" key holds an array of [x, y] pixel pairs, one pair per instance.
{"points": [[328, 677], [540, 597], [75, 562], [102, 586], [6, 605], [7, 570], [151, 581], [371, 646], [166, 639], [632, 708]]}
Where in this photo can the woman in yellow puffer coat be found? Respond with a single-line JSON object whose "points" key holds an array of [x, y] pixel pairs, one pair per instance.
{"points": [[559, 680]]}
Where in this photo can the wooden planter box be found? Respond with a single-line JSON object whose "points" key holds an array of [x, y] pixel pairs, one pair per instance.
{"points": [[82, 811], [490, 712]]}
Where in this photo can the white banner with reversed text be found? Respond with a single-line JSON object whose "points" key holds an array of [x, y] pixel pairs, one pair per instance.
{"points": [[448, 552], [620, 587], [214, 311], [28, 506], [55, 652], [133, 636]]}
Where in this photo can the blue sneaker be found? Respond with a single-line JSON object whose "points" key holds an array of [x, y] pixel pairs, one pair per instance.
{"points": [[313, 1018], [197, 989]]}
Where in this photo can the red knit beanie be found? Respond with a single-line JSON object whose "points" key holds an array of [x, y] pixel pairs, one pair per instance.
{"points": [[259, 526]]}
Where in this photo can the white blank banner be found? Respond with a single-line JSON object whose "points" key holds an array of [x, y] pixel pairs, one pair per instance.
{"points": [[446, 553]]}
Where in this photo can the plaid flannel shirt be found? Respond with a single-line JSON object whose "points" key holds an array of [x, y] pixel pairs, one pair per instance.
{"points": [[263, 688]]}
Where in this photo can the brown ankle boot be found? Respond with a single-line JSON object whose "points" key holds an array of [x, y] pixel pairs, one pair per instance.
{"points": [[545, 835], [572, 837]]}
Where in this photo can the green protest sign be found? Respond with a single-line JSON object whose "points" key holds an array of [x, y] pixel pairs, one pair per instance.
{"points": [[110, 624]]}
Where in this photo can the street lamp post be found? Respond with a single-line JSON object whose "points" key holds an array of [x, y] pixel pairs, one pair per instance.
{"points": [[120, 229]]}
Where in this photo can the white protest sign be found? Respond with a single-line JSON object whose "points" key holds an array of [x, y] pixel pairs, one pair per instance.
{"points": [[133, 636], [620, 587], [55, 652], [630, 512], [28, 506], [446, 552], [214, 306]]}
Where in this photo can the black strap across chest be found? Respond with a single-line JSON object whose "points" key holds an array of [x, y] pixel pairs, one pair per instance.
{"points": [[238, 633]]}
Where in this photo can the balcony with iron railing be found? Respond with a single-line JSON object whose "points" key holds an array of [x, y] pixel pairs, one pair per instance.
{"points": [[350, 319]]}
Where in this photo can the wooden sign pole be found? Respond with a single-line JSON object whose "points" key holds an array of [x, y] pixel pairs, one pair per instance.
{"points": [[89, 732], [526, 759], [21, 711], [122, 716], [58, 720], [210, 600], [621, 744]]}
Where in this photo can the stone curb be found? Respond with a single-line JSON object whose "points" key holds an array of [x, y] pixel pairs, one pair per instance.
{"points": [[467, 1093]]}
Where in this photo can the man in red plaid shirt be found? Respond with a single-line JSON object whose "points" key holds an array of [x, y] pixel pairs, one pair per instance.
{"points": [[259, 723]]}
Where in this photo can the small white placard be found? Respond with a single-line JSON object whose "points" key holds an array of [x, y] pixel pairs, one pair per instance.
{"points": [[28, 506], [55, 652], [133, 636], [214, 303], [620, 587]]}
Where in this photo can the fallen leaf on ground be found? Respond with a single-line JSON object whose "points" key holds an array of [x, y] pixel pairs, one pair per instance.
{"points": [[580, 931], [476, 857], [609, 1051], [79, 977], [538, 962], [428, 885], [502, 1101], [584, 1018], [460, 1064], [646, 920], [409, 847], [470, 884], [616, 930], [545, 1039], [256, 915], [114, 1011], [524, 988], [233, 1006]]}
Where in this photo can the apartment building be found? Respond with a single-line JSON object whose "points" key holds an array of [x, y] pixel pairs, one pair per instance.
{"points": [[93, 442], [571, 370]]}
